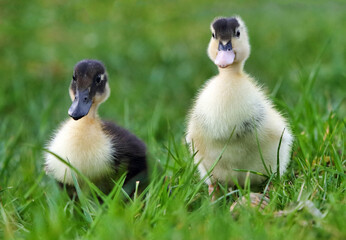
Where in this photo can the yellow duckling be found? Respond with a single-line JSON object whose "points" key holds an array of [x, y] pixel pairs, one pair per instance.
{"points": [[231, 112]]}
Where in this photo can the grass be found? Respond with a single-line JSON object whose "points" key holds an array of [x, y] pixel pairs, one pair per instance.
{"points": [[155, 52]]}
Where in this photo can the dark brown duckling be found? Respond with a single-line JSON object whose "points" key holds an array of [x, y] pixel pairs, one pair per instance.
{"points": [[100, 150]]}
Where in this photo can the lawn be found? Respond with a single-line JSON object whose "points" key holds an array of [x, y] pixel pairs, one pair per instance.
{"points": [[155, 54]]}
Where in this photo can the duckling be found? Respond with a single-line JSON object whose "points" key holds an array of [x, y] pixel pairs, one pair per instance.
{"points": [[232, 119], [100, 150]]}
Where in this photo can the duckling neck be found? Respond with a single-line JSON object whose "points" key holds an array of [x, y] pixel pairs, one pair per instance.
{"points": [[234, 69], [93, 112]]}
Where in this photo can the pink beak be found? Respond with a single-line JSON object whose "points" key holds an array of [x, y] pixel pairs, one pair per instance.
{"points": [[224, 58]]}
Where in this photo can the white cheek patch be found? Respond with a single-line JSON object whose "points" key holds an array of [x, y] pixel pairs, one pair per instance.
{"points": [[72, 96], [100, 98]]}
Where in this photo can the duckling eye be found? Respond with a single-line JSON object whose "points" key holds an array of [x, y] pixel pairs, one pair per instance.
{"points": [[74, 78], [98, 79], [237, 34], [213, 35]]}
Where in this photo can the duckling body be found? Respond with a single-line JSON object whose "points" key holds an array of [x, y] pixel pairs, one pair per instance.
{"points": [[100, 150], [231, 112]]}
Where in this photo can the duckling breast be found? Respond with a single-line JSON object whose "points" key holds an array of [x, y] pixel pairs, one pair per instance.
{"points": [[223, 106], [85, 146]]}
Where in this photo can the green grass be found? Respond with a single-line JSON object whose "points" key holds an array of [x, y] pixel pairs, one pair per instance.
{"points": [[155, 52]]}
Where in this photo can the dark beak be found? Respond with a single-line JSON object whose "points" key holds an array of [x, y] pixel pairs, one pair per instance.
{"points": [[227, 47], [81, 105], [225, 56]]}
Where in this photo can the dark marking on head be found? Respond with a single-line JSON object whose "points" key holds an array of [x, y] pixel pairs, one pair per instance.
{"points": [[89, 78], [89, 74], [225, 28]]}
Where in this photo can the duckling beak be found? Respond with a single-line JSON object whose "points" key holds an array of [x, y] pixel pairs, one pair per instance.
{"points": [[80, 105], [225, 55]]}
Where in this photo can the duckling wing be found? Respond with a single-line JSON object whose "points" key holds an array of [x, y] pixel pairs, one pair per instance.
{"points": [[129, 151]]}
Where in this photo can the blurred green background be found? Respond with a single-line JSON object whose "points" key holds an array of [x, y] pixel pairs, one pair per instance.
{"points": [[155, 53]]}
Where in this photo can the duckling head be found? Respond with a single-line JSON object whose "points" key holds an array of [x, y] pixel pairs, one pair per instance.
{"points": [[229, 44], [88, 89]]}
